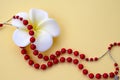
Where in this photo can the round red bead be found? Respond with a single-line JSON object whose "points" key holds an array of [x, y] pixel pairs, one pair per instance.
{"points": [[117, 68], [62, 59], [33, 46], [40, 56], [111, 75], [26, 57], [115, 64], [69, 59], [23, 51], [58, 53], [29, 27], [63, 50], [87, 59], [109, 48], [31, 32], [69, 51], [85, 71], [1, 25], [17, 17], [30, 62], [119, 44], [98, 76], [115, 44], [46, 58], [76, 53], [14, 17], [91, 59], [49, 64], [21, 18], [91, 75], [75, 61], [32, 39], [111, 45], [43, 66], [96, 59], [55, 61], [36, 66], [52, 56], [116, 72], [35, 52], [105, 75], [82, 56], [25, 22], [80, 66]]}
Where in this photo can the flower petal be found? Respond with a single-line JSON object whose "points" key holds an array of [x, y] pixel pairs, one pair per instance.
{"points": [[21, 38], [36, 16], [51, 26], [17, 23], [44, 41]]}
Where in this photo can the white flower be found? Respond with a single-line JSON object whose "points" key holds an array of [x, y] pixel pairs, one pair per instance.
{"points": [[45, 29]]}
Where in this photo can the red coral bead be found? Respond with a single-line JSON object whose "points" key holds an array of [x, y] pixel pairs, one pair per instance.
{"points": [[80, 66], [35, 52], [75, 61], [23, 51], [69, 51], [43, 66], [115, 64], [58, 53], [46, 58], [40, 56], [76, 53], [82, 56], [30, 62], [105, 75], [69, 59], [14, 17], [63, 50], [49, 64], [98, 76], [62, 59], [112, 75], [33, 46], [21, 18], [32, 39], [36, 66], [25, 22], [118, 44], [115, 44], [91, 59], [117, 68], [111, 45], [17, 17], [1, 25], [91, 75], [29, 27], [96, 59], [26, 57], [85, 71], [31, 32], [116, 73], [55, 61], [52, 56], [109, 48], [87, 59]]}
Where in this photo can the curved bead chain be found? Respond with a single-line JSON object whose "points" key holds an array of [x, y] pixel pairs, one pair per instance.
{"points": [[57, 58]]}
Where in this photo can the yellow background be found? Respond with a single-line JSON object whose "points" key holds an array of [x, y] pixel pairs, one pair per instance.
{"points": [[86, 25]]}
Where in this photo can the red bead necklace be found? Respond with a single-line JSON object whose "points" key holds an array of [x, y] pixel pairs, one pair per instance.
{"points": [[58, 58]]}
